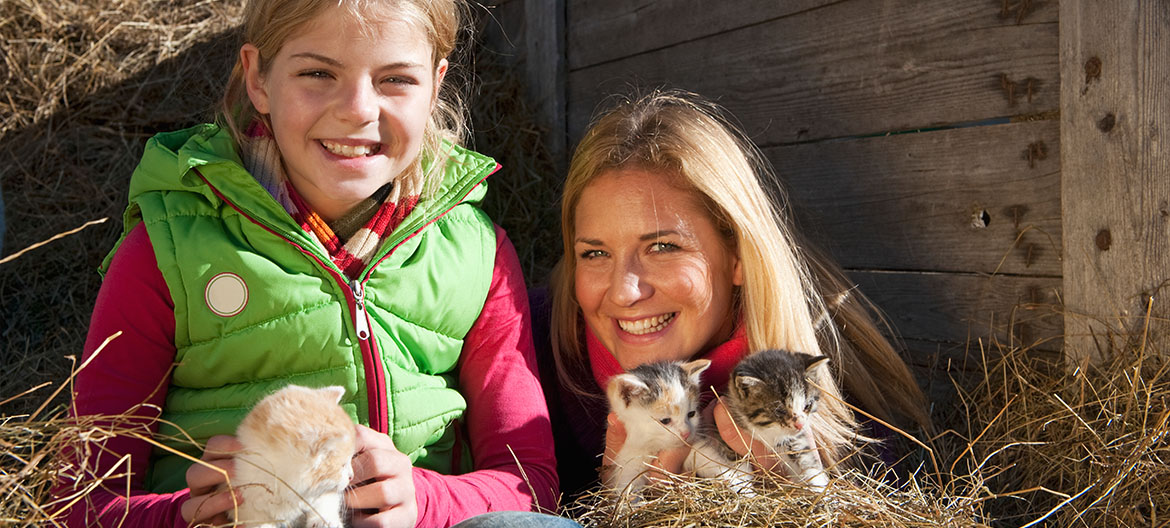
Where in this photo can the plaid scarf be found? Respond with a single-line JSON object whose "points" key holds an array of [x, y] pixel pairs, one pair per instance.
{"points": [[352, 240]]}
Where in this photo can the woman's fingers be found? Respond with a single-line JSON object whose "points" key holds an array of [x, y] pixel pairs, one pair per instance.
{"points": [[740, 440], [615, 437]]}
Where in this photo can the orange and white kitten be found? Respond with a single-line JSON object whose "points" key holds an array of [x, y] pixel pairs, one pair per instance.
{"points": [[295, 462], [658, 405]]}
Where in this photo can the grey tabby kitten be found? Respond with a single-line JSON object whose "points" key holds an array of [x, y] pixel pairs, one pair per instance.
{"points": [[658, 405], [770, 399]]}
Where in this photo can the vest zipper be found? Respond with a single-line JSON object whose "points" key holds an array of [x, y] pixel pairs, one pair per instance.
{"points": [[371, 359]]}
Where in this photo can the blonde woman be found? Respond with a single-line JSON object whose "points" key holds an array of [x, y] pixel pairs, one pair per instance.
{"points": [[674, 250]]}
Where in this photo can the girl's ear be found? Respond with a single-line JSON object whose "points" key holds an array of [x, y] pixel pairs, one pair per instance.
{"points": [[440, 74], [736, 270], [253, 80]]}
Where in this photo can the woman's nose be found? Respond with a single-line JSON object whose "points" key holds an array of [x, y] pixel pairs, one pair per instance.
{"points": [[358, 103], [629, 285]]}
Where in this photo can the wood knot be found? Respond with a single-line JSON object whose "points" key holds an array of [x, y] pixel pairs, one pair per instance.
{"points": [[1107, 123], [1092, 70], [1104, 239], [1037, 151]]}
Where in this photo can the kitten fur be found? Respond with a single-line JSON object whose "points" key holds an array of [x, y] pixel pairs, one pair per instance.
{"points": [[295, 462], [658, 405], [769, 398]]}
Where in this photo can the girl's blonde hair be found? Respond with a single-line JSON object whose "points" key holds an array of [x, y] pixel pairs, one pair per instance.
{"points": [[785, 286], [268, 24]]}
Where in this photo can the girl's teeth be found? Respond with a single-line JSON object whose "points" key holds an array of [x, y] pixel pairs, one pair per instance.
{"points": [[646, 326], [349, 151]]}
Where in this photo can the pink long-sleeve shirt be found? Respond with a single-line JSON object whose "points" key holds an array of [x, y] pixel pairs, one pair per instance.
{"points": [[497, 376]]}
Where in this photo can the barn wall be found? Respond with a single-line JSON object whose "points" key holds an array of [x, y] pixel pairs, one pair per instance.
{"points": [[919, 141]]}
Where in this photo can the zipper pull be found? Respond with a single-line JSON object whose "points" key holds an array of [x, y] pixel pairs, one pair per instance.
{"points": [[360, 321]]}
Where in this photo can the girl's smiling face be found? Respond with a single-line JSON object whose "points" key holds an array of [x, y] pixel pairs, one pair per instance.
{"points": [[348, 103], [654, 276]]}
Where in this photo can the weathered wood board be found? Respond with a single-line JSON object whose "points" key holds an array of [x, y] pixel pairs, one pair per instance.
{"points": [[1115, 103], [954, 307], [850, 68], [979, 199], [605, 30]]}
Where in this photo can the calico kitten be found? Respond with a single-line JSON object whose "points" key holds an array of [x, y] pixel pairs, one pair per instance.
{"points": [[769, 398], [658, 404], [295, 463]]}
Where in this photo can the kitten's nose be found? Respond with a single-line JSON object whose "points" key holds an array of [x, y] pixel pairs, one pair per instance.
{"points": [[798, 425], [685, 435]]}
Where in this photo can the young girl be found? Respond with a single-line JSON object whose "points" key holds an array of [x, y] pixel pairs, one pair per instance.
{"points": [[674, 250], [327, 233]]}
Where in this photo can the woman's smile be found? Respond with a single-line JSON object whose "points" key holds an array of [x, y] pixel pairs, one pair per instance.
{"points": [[654, 276]]}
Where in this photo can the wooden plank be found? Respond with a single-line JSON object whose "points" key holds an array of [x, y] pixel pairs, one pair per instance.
{"points": [[545, 70], [851, 68], [604, 30], [962, 308], [980, 199], [1115, 60]]}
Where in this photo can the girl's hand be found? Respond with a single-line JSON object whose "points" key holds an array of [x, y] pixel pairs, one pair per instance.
{"points": [[382, 490], [669, 460], [738, 439], [206, 504]]}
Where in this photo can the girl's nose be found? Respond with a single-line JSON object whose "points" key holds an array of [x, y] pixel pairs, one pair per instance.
{"points": [[628, 284], [358, 103]]}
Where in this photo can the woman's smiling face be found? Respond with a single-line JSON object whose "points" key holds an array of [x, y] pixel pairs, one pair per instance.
{"points": [[654, 276], [348, 103]]}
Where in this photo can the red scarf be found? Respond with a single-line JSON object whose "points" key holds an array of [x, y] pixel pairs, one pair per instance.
{"points": [[353, 255], [723, 358]]}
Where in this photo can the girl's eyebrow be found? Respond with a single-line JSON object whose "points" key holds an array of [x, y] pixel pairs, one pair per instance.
{"points": [[336, 63]]}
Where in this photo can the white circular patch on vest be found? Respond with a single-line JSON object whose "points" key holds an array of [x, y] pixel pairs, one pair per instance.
{"points": [[226, 294]]}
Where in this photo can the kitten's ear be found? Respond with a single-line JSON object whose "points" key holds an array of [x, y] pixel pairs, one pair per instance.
{"points": [[694, 369], [745, 384], [812, 362], [624, 388], [334, 392]]}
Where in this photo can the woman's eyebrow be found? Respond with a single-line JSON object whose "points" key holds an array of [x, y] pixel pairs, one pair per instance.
{"points": [[589, 241], [658, 234]]}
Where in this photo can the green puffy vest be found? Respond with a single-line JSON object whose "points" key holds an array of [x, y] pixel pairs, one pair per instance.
{"points": [[259, 304]]}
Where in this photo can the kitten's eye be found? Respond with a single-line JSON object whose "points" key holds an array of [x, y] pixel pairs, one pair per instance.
{"points": [[808, 406], [665, 421], [691, 414]]}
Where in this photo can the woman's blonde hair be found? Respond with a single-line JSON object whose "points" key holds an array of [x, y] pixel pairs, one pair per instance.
{"points": [[785, 287], [268, 24]]}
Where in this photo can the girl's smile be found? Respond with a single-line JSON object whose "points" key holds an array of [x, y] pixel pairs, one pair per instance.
{"points": [[348, 102]]}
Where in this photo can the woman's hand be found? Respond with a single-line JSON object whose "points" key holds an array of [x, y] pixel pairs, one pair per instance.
{"points": [[668, 461], [206, 503], [738, 439], [382, 490]]}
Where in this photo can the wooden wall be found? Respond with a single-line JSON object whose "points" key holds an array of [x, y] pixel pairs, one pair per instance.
{"points": [[920, 141]]}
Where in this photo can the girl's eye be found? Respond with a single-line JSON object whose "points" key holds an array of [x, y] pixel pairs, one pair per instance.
{"points": [[315, 74], [396, 79], [590, 254], [665, 421], [663, 247]]}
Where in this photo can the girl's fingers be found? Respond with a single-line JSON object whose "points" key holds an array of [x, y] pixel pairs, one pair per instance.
{"points": [[221, 446], [209, 508], [204, 475]]}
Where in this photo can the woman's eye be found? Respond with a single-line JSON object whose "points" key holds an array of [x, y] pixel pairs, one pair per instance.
{"points": [[589, 254], [662, 247], [665, 421]]}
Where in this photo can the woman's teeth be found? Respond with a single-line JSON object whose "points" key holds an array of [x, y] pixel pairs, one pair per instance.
{"points": [[646, 326], [351, 151]]}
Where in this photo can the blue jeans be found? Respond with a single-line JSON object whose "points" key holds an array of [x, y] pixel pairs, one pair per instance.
{"points": [[517, 519]]}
